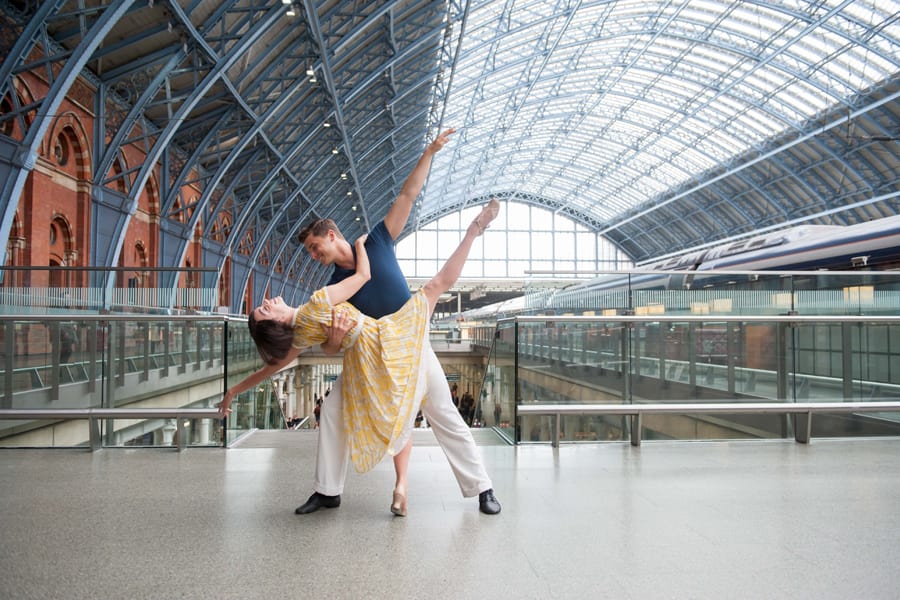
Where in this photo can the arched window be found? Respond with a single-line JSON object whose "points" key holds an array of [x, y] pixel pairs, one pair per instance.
{"points": [[524, 238]]}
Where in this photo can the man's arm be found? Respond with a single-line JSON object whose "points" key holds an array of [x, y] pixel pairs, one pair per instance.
{"points": [[344, 289], [398, 214]]}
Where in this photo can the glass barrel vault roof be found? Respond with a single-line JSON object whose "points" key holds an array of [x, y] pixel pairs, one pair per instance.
{"points": [[660, 125]]}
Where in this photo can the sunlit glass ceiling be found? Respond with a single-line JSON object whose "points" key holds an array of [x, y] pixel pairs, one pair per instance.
{"points": [[660, 125], [605, 107]]}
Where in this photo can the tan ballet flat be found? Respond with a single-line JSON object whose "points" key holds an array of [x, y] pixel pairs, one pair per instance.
{"points": [[488, 214], [398, 504]]}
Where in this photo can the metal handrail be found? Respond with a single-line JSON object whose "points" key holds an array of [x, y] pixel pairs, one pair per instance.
{"points": [[802, 427], [667, 317], [141, 317], [93, 415]]}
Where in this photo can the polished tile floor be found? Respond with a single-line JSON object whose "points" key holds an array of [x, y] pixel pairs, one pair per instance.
{"points": [[747, 519]]}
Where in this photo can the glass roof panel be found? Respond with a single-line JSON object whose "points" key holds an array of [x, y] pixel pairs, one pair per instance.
{"points": [[637, 98]]}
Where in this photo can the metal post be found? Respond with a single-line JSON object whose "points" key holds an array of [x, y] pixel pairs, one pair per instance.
{"points": [[554, 439], [803, 427], [94, 433], [847, 361], [636, 429], [9, 346]]}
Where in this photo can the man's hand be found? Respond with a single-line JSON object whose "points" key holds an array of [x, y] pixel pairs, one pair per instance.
{"points": [[341, 323], [398, 214], [440, 140]]}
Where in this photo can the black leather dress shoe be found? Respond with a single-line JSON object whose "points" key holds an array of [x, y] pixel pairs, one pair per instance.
{"points": [[487, 502], [317, 501]]}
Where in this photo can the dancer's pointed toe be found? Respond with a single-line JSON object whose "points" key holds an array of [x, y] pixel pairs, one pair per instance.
{"points": [[488, 214]]}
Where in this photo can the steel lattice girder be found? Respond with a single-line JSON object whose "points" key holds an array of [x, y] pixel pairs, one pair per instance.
{"points": [[659, 125]]}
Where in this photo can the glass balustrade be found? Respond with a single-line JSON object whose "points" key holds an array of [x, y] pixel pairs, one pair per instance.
{"points": [[700, 337], [717, 338], [82, 361]]}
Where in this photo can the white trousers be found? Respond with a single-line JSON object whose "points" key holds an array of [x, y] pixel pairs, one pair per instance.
{"points": [[451, 432]]}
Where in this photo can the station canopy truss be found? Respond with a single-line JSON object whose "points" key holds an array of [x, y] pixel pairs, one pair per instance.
{"points": [[659, 125]]}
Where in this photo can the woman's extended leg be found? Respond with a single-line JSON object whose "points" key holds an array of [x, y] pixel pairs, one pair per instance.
{"points": [[449, 273], [401, 467]]}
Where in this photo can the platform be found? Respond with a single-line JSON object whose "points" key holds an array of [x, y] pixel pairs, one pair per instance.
{"points": [[745, 519]]}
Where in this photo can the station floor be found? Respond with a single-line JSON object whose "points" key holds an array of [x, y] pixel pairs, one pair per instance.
{"points": [[741, 519]]}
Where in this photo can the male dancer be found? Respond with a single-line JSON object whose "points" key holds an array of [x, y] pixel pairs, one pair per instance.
{"points": [[383, 294]]}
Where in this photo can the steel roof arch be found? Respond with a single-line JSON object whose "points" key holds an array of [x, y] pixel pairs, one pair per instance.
{"points": [[691, 120]]}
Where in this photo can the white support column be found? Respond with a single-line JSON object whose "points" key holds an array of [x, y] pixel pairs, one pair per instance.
{"points": [[278, 388], [168, 432], [291, 394], [203, 431]]}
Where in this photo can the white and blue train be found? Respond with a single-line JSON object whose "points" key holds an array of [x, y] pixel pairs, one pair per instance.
{"points": [[871, 246]]}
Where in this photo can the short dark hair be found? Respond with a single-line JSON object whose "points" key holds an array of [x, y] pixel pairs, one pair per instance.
{"points": [[319, 228], [273, 338]]}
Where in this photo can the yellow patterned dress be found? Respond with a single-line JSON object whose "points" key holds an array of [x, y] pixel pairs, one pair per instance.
{"points": [[382, 382]]}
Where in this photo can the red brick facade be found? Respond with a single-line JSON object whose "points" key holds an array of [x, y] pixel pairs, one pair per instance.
{"points": [[52, 225]]}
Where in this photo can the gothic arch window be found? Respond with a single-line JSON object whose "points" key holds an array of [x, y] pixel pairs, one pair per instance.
{"points": [[16, 126], [246, 244], [62, 251], [56, 274], [62, 239], [15, 247], [140, 254], [177, 213], [219, 229], [67, 147], [190, 277], [152, 197], [61, 149], [139, 278]]}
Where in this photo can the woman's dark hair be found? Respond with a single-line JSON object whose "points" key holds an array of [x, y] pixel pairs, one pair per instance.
{"points": [[273, 338]]}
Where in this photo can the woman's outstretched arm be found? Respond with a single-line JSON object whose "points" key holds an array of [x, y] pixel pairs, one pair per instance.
{"points": [[254, 379], [344, 290]]}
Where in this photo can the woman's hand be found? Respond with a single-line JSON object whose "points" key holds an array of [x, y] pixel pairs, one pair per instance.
{"points": [[225, 404]]}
